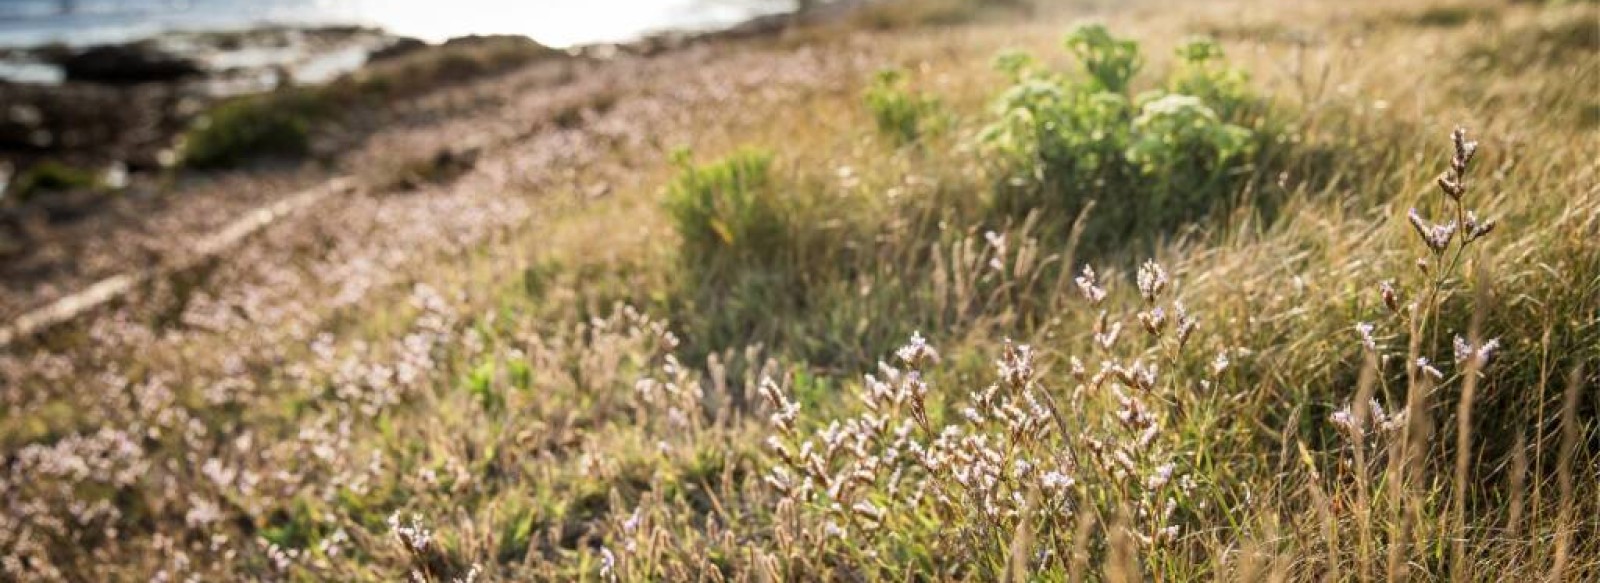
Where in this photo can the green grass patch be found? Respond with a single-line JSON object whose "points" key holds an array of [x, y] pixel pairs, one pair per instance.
{"points": [[273, 125], [899, 113], [899, 14], [729, 213], [51, 176]]}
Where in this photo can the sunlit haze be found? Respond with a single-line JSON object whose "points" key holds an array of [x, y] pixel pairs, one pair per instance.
{"points": [[558, 23], [553, 22]]}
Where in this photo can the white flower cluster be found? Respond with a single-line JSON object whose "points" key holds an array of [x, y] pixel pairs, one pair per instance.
{"points": [[1001, 456], [413, 535]]}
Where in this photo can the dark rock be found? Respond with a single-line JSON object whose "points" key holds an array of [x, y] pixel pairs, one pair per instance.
{"points": [[50, 53], [503, 42], [487, 39], [400, 47], [129, 64]]}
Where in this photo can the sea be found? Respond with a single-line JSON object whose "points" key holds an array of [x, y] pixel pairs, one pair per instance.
{"points": [[557, 23]]}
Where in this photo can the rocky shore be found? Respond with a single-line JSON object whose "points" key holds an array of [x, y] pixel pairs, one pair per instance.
{"points": [[99, 177], [95, 107], [109, 112]]}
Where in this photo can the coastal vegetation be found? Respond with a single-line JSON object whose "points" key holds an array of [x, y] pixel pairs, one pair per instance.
{"points": [[1244, 290], [281, 123]]}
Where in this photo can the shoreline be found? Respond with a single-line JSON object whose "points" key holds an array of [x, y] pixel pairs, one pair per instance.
{"points": [[118, 107], [162, 83], [216, 48], [124, 161]]}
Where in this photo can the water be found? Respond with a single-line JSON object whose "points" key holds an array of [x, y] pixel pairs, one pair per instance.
{"points": [[558, 23]]}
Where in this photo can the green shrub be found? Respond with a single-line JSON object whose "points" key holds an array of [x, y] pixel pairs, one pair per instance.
{"points": [[899, 14], [51, 176], [480, 382], [1111, 62], [901, 114], [246, 128], [1151, 161], [1452, 16], [727, 212], [1202, 71], [1017, 65], [1182, 151], [760, 251]]}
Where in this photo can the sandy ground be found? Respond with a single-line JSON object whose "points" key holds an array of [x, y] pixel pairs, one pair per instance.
{"points": [[531, 131]]}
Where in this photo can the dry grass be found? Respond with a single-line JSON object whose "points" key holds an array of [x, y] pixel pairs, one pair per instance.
{"points": [[486, 407]]}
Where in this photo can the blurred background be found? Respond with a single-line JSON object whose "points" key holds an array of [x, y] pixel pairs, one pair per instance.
{"points": [[60, 25], [472, 290], [555, 23], [98, 91]]}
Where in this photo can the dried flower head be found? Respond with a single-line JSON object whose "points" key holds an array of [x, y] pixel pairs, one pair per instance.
{"points": [[1427, 368], [1348, 421], [1451, 186], [1473, 229], [1152, 280], [917, 352], [608, 565], [1391, 298], [1159, 478], [1345, 420], [1453, 181], [414, 536], [1086, 284], [1465, 149], [868, 512], [785, 411], [1106, 331], [1364, 331], [1475, 356], [1056, 482], [1221, 363], [1016, 364], [1154, 320], [1186, 324], [1079, 371], [1437, 237]]}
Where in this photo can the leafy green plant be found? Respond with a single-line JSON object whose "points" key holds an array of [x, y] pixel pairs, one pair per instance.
{"points": [[901, 114], [1182, 148], [1017, 65], [1202, 71], [51, 176], [758, 250], [1111, 62], [728, 212], [248, 128], [481, 383], [1059, 141]]}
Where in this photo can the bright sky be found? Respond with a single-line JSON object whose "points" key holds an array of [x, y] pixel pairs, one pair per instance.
{"points": [[553, 22]]}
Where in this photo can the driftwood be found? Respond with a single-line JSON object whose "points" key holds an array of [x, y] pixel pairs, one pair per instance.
{"points": [[206, 248]]}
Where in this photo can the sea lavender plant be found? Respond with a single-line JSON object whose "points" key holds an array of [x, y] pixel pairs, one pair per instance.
{"points": [[1446, 244], [1016, 460], [1401, 436]]}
